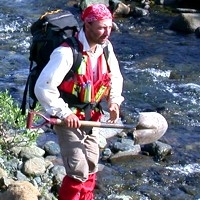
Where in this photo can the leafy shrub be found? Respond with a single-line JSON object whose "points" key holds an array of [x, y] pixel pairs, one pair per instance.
{"points": [[12, 132]]}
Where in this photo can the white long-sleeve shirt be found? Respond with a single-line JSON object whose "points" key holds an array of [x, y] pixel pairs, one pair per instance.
{"points": [[61, 60]]}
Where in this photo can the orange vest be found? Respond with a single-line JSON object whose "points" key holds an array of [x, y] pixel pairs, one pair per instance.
{"points": [[87, 91]]}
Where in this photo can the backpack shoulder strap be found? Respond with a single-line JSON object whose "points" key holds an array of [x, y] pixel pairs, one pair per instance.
{"points": [[106, 54], [105, 51], [77, 55]]}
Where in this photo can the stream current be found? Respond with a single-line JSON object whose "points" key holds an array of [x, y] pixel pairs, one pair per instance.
{"points": [[161, 73]]}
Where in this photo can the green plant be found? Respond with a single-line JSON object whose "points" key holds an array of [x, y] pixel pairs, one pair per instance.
{"points": [[13, 133]]}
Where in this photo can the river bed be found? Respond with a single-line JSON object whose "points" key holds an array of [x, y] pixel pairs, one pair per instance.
{"points": [[161, 73]]}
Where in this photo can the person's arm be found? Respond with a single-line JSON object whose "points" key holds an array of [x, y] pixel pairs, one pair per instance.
{"points": [[115, 97], [46, 88]]}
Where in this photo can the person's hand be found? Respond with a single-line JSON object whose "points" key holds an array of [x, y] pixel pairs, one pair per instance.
{"points": [[114, 113], [72, 121]]}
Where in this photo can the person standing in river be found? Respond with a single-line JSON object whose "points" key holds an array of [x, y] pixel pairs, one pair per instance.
{"points": [[97, 77]]}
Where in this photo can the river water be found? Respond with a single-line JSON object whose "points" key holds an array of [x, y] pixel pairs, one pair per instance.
{"points": [[161, 73]]}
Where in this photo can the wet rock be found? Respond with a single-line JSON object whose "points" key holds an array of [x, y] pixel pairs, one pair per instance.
{"points": [[123, 144], [121, 9], [177, 75], [124, 156], [197, 32], [106, 153], [188, 189], [85, 3], [158, 149], [139, 12], [186, 22]]}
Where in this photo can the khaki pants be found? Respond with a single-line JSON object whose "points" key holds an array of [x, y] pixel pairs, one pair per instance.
{"points": [[80, 151]]}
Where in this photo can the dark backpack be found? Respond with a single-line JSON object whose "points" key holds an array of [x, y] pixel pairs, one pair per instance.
{"points": [[49, 31]]}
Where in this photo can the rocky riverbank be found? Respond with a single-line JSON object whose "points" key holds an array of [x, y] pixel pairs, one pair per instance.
{"points": [[158, 171], [36, 172]]}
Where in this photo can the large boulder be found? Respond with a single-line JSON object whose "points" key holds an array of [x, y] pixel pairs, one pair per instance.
{"points": [[20, 190], [186, 22], [85, 3]]}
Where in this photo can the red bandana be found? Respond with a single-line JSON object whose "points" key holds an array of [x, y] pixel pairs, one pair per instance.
{"points": [[96, 12]]}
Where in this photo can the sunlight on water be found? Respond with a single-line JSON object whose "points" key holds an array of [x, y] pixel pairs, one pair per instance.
{"points": [[190, 87], [158, 72], [113, 196], [187, 169]]}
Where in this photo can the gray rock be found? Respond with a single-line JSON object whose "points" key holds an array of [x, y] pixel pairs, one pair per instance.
{"points": [[20, 190], [31, 152], [186, 22], [123, 156], [140, 12], [197, 32], [123, 145], [58, 172], [20, 176], [52, 148], [34, 166], [106, 153], [121, 9], [85, 3], [158, 149]]}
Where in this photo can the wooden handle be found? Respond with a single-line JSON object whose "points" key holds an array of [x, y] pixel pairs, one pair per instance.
{"points": [[96, 124], [54, 121]]}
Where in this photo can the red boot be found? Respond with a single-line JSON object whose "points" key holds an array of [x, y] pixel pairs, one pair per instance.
{"points": [[88, 188], [70, 189]]}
